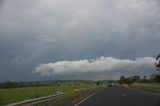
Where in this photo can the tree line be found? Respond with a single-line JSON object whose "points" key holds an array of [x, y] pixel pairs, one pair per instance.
{"points": [[136, 78], [132, 79], [10, 84]]}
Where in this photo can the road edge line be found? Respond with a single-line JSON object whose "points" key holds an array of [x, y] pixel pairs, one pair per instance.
{"points": [[87, 97]]}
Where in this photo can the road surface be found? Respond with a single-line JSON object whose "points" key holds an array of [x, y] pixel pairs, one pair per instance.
{"points": [[120, 96]]}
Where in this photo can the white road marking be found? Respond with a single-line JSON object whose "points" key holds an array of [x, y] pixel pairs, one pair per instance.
{"points": [[123, 94], [87, 97]]}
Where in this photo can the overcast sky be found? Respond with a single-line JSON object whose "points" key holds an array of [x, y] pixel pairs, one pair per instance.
{"points": [[78, 39]]}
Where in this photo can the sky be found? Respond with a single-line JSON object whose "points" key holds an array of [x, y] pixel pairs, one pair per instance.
{"points": [[78, 39]]}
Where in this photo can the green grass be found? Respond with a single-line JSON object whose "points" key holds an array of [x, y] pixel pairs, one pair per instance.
{"points": [[147, 84], [8, 96], [151, 87]]}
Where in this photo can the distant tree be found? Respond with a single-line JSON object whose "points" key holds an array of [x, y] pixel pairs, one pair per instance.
{"points": [[98, 83], [157, 78], [152, 76], [128, 80], [145, 77], [136, 78], [122, 79]]}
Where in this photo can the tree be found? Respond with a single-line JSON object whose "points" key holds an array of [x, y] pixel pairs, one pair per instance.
{"points": [[122, 79], [157, 78], [152, 77], [145, 77], [98, 83], [128, 80], [157, 63], [136, 78]]}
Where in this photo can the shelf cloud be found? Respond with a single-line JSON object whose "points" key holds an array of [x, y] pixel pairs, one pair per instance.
{"points": [[96, 66]]}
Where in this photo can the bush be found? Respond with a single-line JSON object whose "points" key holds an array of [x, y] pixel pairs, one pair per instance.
{"points": [[157, 78], [129, 80]]}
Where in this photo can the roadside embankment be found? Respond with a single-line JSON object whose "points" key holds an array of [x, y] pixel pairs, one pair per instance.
{"points": [[154, 88]]}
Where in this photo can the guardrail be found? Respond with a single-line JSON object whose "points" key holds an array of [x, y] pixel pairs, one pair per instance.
{"points": [[41, 101]]}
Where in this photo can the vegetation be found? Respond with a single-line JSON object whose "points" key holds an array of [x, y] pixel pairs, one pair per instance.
{"points": [[151, 87], [9, 84], [18, 94], [132, 79], [12, 95], [157, 63], [154, 78], [129, 80]]}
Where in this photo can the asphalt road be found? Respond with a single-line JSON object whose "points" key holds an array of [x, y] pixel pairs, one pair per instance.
{"points": [[120, 96]]}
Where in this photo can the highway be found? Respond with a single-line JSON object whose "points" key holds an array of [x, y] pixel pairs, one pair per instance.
{"points": [[120, 96]]}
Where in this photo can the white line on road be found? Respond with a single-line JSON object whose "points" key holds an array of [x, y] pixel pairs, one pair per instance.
{"points": [[87, 97], [123, 94]]}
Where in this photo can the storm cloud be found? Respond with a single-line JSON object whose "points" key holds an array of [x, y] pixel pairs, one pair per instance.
{"points": [[47, 31], [97, 66]]}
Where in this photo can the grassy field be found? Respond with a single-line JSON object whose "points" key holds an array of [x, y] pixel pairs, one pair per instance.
{"points": [[151, 87], [8, 96]]}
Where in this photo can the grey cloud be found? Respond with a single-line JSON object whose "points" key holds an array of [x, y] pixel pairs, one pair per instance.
{"points": [[36, 32]]}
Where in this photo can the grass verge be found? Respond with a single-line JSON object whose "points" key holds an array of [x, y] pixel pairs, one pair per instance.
{"points": [[154, 88], [8, 96]]}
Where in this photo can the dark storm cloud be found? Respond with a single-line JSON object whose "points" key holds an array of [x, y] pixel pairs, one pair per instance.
{"points": [[40, 32]]}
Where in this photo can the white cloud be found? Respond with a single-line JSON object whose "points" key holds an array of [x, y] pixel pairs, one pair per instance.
{"points": [[97, 66]]}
